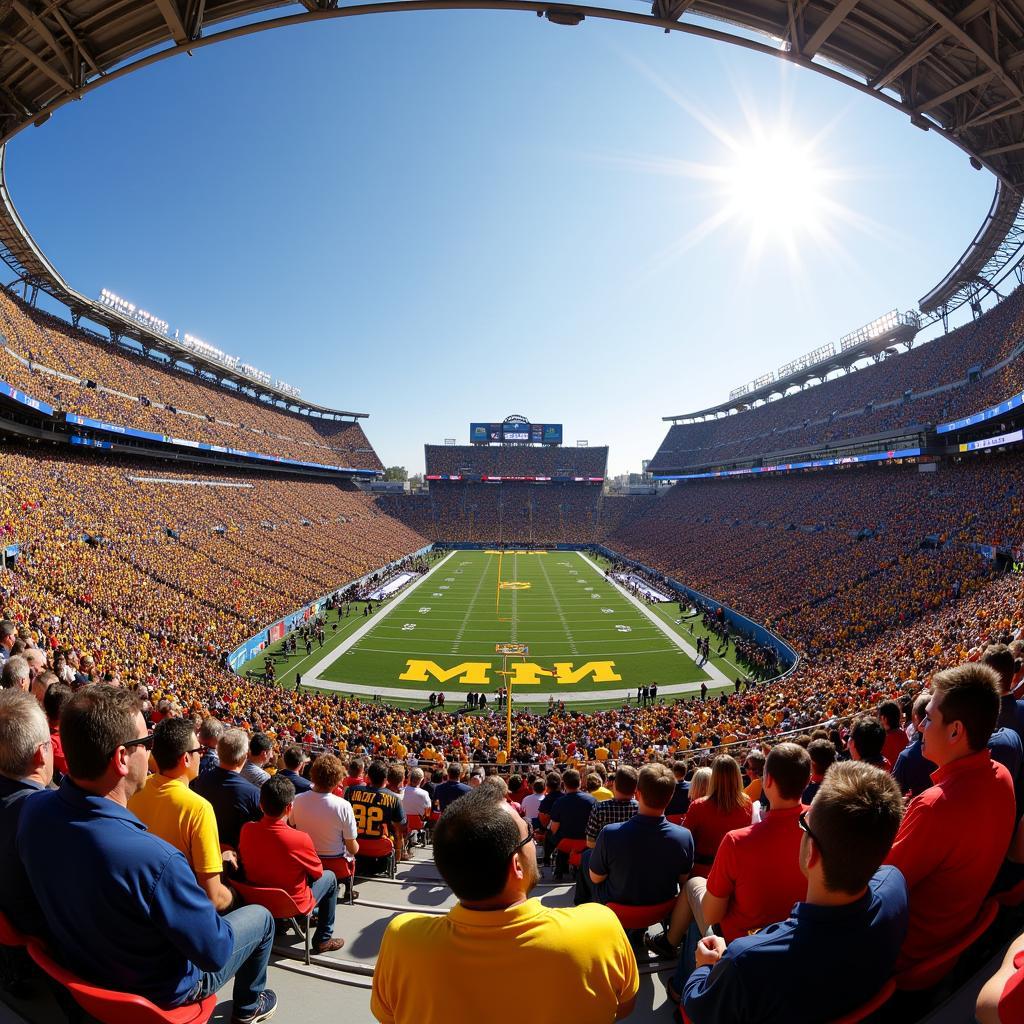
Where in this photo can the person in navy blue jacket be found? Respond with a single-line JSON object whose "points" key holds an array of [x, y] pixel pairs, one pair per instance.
{"points": [[122, 907], [845, 936]]}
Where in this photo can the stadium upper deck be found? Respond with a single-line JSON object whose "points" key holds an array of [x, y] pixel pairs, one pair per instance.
{"points": [[73, 371], [516, 462], [952, 376]]}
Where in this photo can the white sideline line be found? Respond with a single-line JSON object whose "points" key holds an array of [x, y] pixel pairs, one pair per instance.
{"points": [[313, 676], [712, 671]]}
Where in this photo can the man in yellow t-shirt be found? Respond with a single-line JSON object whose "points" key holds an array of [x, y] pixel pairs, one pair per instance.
{"points": [[578, 959], [170, 810]]}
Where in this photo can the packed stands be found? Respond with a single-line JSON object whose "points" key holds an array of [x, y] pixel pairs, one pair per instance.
{"points": [[143, 567], [826, 556], [159, 609], [872, 400], [503, 513], [516, 461], [113, 384]]}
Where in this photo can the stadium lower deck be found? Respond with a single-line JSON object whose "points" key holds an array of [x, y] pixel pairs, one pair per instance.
{"points": [[336, 987], [156, 569]]}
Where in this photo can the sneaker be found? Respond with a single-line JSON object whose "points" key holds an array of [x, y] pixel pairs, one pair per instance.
{"points": [[265, 1007], [330, 946], [660, 946]]}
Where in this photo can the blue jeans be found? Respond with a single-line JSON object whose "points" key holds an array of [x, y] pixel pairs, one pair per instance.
{"points": [[325, 892], [254, 936]]}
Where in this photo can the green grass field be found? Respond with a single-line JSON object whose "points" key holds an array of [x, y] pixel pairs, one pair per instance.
{"points": [[442, 633]]}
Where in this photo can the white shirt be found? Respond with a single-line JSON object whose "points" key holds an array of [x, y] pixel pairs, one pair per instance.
{"points": [[327, 819], [415, 801], [531, 805]]}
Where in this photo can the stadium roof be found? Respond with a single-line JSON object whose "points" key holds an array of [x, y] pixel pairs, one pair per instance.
{"points": [[871, 341], [953, 67]]}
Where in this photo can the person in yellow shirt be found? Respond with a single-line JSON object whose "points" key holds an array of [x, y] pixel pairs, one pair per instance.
{"points": [[580, 964], [754, 765], [170, 810]]}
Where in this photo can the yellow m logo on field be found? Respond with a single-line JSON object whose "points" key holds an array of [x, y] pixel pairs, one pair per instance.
{"points": [[528, 674], [470, 673]]}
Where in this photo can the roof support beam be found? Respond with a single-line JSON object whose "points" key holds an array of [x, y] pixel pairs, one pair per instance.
{"points": [[172, 16], [1011, 148], [832, 21], [957, 90], [194, 16], [39, 27], [908, 60], [37, 62], [77, 43], [953, 29], [671, 10]]}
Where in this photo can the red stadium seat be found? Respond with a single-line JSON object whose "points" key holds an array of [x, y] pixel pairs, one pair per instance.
{"points": [[110, 1007], [574, 848], [414, 823], [878, 1000], [931, 972], [281, 906], [342, 868], [383, 847], [676, 819], [642, 917]]}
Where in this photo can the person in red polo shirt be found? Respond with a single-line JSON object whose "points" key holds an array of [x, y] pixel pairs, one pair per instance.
{"points": [[277, 856], [954, 835], [756, 876], [891, 717], [1001, 1001]]}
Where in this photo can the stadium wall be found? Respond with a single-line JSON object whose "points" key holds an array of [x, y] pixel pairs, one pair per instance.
{"points": [[276, 630]]}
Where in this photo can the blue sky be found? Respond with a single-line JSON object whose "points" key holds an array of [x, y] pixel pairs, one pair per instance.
{"points": [[445, 217]]}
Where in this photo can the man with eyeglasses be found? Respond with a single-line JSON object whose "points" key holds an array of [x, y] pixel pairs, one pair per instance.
{"points": [[578, 960], [844, 936], [170, 810], [122, 906]]}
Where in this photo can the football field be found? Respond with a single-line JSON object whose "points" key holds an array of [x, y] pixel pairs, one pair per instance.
{"points": [[586, 638]]}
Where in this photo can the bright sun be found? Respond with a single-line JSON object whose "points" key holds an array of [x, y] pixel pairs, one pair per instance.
{"points": [[775, 187]]}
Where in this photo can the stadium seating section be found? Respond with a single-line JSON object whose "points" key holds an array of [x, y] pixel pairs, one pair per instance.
{"points": [[110, 383], [516, 461], [867, 401], [129, 562]]}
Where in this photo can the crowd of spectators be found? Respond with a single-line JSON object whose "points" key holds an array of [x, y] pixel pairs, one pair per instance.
{"points": [[115, 385], [870, 400], [503, 513], [148, 574], [516, 460], [827, 557], [141, 577]]}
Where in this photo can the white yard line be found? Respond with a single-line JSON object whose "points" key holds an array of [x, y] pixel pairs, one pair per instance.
{"points": [[558, 608], [470, 607], [715, 673], [313, 676]]}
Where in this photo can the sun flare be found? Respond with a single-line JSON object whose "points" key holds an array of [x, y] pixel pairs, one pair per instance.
{"points": [[776, 187]]}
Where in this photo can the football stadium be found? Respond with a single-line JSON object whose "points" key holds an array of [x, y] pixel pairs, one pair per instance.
{"points": [[290, 730]]}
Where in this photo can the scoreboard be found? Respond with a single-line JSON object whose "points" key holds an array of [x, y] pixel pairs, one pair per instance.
{"points": [[519, 433]]}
